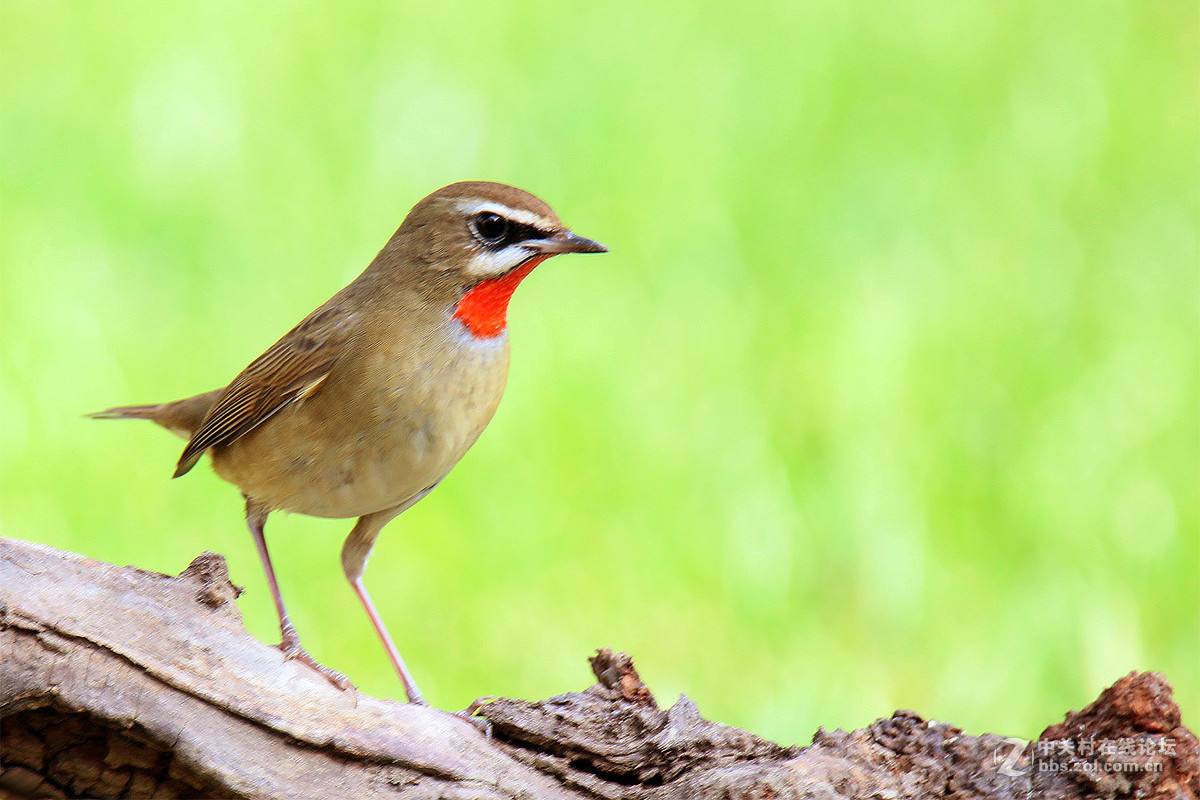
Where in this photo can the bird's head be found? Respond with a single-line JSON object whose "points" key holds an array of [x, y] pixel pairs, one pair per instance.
{"points": [[479, 230], [481, 239]]}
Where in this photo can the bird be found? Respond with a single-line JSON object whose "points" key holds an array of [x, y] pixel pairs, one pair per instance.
{"points": [[361, 409]]}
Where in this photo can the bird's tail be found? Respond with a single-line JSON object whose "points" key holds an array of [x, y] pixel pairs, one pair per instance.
{"points": [[181, 417], [128, 412]]}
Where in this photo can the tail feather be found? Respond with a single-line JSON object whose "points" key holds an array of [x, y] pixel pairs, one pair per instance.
{"points": [[181, 417], [127, 412]]}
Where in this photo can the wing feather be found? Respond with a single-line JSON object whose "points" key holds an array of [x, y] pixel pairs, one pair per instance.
{"points": [[291, 369]]}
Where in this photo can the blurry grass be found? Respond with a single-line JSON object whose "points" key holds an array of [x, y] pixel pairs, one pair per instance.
{"points": [[886, 396]]}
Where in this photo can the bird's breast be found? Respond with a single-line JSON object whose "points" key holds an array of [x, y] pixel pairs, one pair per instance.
{"points": [[391, 420]]}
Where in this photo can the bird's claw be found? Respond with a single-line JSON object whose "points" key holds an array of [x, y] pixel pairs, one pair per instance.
{"points": [[468, 713], [290, 646], [479, 703]]}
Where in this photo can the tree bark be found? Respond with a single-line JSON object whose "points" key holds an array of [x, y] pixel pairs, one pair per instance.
{"points": [[117, 682]]}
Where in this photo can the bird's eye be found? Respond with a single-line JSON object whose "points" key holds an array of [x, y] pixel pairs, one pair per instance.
{"points": [[490, 227]]}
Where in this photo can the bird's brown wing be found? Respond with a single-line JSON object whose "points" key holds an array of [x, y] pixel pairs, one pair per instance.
{"points": [[291, 369]]}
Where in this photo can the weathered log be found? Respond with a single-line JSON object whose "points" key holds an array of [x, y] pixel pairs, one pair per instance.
{"points": [[117, 682]]}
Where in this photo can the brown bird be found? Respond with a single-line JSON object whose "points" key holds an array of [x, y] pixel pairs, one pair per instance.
{"points": [[366, 405]]}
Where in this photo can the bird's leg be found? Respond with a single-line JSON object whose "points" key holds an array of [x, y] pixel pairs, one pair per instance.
{"points": [[289, 643], [406, 678], [355, 553]]}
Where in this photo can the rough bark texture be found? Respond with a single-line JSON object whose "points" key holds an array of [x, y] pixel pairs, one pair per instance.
{"points": [[116, 682]]}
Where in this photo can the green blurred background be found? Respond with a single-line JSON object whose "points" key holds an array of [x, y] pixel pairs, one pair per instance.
{"points": [[887, 395]]}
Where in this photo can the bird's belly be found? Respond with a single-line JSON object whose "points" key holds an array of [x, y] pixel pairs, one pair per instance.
{"points": [[345, 454], [358, 483], [334, 479], [373, 470]]}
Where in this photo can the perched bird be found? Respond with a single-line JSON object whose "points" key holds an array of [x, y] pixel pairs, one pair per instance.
{"points": [[363, 408]]}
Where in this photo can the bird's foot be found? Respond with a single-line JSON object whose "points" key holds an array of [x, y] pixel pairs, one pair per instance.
{"points": [[468, 713], [290, 645], [479, 703]]}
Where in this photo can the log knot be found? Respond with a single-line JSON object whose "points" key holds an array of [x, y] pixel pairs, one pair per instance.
{"points": [[209, 572]]}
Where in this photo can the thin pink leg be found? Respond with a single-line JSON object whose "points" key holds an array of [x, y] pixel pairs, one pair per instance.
{"points": [[410, 686], [289, 642]]}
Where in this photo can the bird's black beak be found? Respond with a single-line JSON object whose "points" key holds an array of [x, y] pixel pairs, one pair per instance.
{"points": [[564, 242]]}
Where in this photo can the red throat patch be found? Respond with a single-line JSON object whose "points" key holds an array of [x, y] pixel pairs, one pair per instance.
{"points": [[484, 308]]}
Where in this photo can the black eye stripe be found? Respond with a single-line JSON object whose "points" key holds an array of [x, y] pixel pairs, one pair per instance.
{"points": [[497, 232], [519, 232]]}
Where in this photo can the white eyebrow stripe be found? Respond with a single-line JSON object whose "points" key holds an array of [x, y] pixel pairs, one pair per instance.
{"points": [[521, 215]]}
